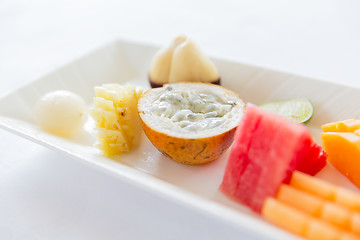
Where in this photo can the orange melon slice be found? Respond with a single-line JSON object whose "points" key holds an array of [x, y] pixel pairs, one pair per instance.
{"points": [[313, 185], [300, 223], [325, 190], [319, 230], [341, 140], [349, 125], [285, 216], [343, 150], [306, 202], [318, 207]]}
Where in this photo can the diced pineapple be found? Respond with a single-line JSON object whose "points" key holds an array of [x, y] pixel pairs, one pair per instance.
{"points": [[116, 117], [104, 104], [106, 94], [105, 119]]}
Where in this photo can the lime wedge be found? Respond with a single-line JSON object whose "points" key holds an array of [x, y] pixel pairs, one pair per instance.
{"points": [[298, 109]]}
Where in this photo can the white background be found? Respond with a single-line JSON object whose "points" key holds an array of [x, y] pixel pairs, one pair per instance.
{"points": [[44, 195]]}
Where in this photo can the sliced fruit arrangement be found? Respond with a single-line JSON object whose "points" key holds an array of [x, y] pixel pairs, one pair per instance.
{"points": [[116, 117], [326, 190], [191, 123], [341, 140], [267, 148], [315, 209], [182, 61], [298, 109], [299, 223]]}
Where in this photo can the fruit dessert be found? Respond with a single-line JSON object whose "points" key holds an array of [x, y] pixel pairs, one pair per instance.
{"points": [[315, 209], [117, 122], [191, 123], [341, 140], [182, 61], [267, 148], [61, 112]]}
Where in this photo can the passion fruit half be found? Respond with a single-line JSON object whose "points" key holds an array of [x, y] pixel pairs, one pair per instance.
{"points": [[191, 123]]}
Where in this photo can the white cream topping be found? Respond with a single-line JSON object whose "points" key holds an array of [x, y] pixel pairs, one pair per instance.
{"points": [[191, 110]]}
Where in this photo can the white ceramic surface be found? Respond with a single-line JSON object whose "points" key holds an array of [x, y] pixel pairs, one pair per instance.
{"points": [[195, 187]]}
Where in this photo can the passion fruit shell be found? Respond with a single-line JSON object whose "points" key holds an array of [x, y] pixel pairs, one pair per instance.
{"points": [[154, 84], [192, 147]]}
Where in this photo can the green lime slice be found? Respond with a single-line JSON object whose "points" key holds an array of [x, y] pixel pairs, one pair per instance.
{"points": [[298, 109]]}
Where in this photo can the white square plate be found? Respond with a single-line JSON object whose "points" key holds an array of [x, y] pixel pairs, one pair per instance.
{"points": [[195, 187]]}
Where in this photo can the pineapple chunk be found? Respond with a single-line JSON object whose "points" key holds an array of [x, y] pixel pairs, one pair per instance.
{"points": [[105, 119], [116, 117], [104, 104]]}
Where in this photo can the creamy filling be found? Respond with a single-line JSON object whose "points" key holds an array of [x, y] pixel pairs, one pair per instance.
{"points": [[191, 110]]}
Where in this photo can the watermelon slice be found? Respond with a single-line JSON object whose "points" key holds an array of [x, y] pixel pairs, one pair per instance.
{"points": [[313, 161], [267, 148]]}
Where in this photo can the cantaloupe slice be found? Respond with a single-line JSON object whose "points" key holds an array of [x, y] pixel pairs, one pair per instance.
{"points": [[318, 207], [325, 190], [306, 202], [300, 223], [285, 216], [337, 215], [349, 125], [341, 140], [343, 150], [355, 223], [313, 185], [315, 209], [319, 230], [349, 236], [348, 198]]}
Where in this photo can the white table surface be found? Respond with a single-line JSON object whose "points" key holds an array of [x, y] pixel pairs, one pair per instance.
{"points": [[45, 195]]}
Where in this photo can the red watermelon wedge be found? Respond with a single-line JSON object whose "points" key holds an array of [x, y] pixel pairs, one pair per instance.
{"points": [[267, 148]]}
